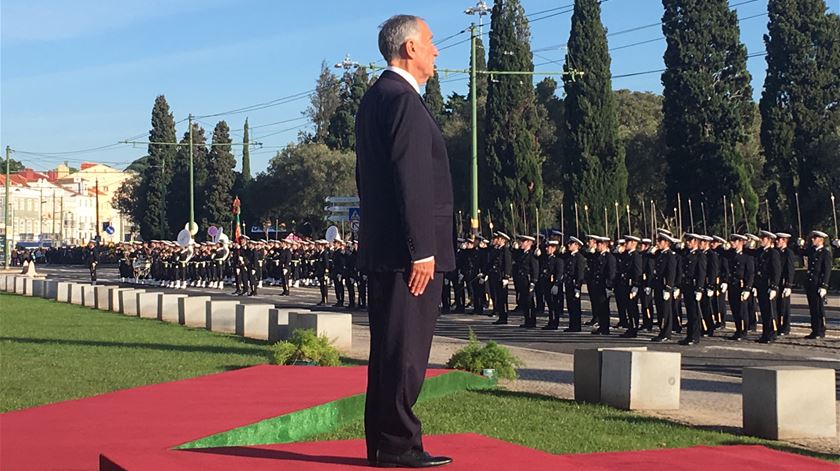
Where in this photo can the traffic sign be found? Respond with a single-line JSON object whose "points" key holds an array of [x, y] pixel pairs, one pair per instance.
{"points": [[110, 230], [354, 214], [342, 199]]}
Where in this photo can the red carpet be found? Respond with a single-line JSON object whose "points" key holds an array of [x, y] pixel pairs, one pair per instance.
{"points": [[470, 452], [70, 435]]}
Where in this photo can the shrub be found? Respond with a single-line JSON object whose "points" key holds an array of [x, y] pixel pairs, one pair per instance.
{"points": [[304, 346], [476, 357]]}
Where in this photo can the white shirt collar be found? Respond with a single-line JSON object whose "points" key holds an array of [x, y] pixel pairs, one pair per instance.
{"points": [[406, 76]]}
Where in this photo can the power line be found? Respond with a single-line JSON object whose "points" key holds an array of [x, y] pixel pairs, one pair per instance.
{"points": [[263, 105], [250, 128], [281, 131]]}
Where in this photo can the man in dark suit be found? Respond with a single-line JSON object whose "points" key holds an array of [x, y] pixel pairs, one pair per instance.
{"points": [[406, 238]]}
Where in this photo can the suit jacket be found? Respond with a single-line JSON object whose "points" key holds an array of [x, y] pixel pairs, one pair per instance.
{"points": [[403, 180]]}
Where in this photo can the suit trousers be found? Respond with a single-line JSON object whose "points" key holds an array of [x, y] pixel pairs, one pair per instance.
{"points": [[401, 330]]}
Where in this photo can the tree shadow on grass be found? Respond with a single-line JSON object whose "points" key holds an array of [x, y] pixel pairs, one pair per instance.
{"points": [[244, 350]]}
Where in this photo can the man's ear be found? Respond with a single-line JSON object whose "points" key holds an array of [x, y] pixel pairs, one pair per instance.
{"points": [[410, 49]]}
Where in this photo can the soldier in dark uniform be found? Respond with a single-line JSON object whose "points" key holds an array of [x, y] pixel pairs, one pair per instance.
{"points": [[350, 275], [718, 247], [751, 249], [526, 272], [741, 277], [818, 258], [479, 289], [665, 276], [709, 297], [91, 256], [788, 260], [337, 271], [321, 262], [646, 296], [591, 255], [602, 284], [541, 286], [361, 277], [693, 285], [621, 292], [632, 283], [500, 270], [575, 274], [768, 275], [555, 271], [450, 278]]}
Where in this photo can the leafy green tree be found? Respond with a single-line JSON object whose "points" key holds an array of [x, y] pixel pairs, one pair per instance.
{"points": [[707, 108], [640, 134], [220, 179], [595, 169], [342, 127], [323, 104], [14, 166], [152, 188], [297, 180], [799, 112], [551, 134], [512, 175]]}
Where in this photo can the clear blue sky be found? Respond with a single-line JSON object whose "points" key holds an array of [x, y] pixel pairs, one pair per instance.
{"points": [[82, 74]]}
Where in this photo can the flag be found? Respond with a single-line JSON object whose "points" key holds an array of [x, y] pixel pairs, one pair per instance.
{"points": [[236, 228]]}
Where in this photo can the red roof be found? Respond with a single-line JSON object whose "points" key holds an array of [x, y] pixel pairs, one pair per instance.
{"points": [[32, 176]]}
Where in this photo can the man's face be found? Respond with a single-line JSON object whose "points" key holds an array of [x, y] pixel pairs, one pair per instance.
{"points": [[423, 51], [631, 245], [781, 243]]}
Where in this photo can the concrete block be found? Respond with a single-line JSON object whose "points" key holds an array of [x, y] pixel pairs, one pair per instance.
{"points": [[128, 301], [114, 298], [50, 289], [103, 296], [3, 278], [221, 315], [19, 284], [76, 293], [336, 326], [789, 402], [148, 305], [192, 311], [89, 296], [634, 380], [38, 288], [252, 321], [279, 318], [168, 307], [63, 291], [587, 372], [28, 285]]}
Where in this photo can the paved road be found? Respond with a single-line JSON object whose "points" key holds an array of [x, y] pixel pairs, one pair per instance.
{"points": [[714, 355]]}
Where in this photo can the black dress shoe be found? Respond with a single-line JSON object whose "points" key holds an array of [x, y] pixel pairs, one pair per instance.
{"points": [[659, 338], [687, 342], [409, 459], [571, 330]]}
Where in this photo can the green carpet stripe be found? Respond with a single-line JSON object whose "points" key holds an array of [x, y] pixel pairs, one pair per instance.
{"points": [[327, 417]]}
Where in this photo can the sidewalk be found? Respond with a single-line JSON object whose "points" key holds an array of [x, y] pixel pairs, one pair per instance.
{"points": [[706, 400]]}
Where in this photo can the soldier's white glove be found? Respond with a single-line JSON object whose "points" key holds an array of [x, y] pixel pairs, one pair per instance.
{"points": [[338, 277], [755, 292], [835, 243], [652, 250], [633, 292], [481, 280], [710, 293], [800, 242], [723, 288], [677, 293], [352, 281], [577, 293], [772, 293], [460, 277], [530, 287], [446, 282], [538, 252], [745, 295], [822, 292], [786, 293], [610, 293], [554, 290], [666, 296], [647, 291], [698, 295], [563, 249], [285, 271], [505, 282]]}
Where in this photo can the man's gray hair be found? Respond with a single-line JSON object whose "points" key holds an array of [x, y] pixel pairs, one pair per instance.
{"points": [[395, 31]]}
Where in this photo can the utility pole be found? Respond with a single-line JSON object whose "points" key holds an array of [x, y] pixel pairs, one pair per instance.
{"points": [[52, 235], [98, 238], [474, 141], [40, 213], [192, 227], [7, 240]]}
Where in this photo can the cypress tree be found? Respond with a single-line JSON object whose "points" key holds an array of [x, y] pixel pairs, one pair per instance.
{"points": [[595, 169], [323, 103], [433, 98], [342, 128], [707, 106], [512, 153], [155, 178], [220, 179], [799, 112], [246, 155]]}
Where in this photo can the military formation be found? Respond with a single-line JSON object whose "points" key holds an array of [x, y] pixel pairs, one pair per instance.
{"points": [[248, 265], [670, 285]]}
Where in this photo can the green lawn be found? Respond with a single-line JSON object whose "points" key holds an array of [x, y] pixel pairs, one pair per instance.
{"points": [[52, 351], [559, 426]]}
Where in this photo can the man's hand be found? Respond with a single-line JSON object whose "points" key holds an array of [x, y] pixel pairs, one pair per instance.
{"points": [[786, 293], [421, 274]]}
